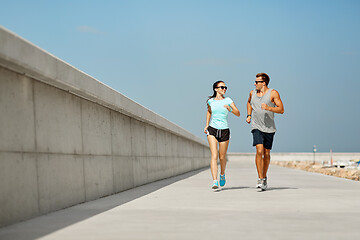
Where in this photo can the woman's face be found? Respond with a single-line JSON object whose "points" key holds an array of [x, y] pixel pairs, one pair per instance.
{"points": [[221, 88]]}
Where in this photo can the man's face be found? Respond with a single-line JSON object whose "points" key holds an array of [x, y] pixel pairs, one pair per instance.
{"points": [[259, 83]]}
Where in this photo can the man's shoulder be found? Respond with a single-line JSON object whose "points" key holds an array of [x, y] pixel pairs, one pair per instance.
{"points": [[274, 92]]}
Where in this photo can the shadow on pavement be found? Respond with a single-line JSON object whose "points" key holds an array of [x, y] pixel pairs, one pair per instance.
{"points": [[46, 224], [278, 188], [229, 188], [237, 188]]}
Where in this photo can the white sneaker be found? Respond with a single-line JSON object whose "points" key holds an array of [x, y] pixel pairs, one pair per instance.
{"points": [[264, 184], [259, 183]]}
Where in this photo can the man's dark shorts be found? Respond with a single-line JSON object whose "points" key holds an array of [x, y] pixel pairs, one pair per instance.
{"points": [[264, 138], [221, 135]]}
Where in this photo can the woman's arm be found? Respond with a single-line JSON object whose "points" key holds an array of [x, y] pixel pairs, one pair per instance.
{"points": [[208, 116], [232, 108]]}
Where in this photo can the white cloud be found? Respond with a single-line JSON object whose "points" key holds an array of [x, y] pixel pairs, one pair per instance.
{"points": [[87, 29]]}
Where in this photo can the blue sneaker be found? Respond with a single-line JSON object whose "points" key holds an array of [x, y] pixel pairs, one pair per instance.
{"points": [[222, 180], [215, 185]]}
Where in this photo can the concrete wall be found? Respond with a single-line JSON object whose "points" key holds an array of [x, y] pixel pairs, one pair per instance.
{"points": [[66, 138]]}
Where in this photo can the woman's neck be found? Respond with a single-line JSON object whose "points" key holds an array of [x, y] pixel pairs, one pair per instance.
{"points": [[219, 97]]}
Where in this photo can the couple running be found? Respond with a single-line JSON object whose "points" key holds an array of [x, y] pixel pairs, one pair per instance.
{"points": [[263, 102]]}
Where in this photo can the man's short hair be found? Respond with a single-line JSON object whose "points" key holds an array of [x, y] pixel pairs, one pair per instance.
{"points": [[264, 77]]}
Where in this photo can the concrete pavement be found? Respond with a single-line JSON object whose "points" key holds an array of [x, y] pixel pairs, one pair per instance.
{"points": [[297, 205]]}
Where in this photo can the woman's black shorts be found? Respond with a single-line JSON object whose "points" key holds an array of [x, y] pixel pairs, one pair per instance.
{"points": [[221, 135]]}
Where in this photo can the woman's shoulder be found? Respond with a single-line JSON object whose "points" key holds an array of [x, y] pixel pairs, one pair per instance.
{"points": [[228, 99], [210, 100]]}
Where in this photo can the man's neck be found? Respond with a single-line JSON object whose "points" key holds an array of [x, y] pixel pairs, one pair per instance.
{"points": [[263, 90]]}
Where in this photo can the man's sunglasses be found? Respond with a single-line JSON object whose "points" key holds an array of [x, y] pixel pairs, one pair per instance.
{"points": [[256, 82], [222, 87]]}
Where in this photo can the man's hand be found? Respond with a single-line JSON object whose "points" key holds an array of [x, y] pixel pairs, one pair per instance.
{"points": [[248, 119], [264, 106]]}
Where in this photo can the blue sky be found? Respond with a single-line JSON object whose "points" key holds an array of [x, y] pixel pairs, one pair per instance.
{"points": [[166, 55]]}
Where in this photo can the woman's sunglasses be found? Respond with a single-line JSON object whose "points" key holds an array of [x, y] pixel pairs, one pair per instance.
{"points": [[222, 87]]}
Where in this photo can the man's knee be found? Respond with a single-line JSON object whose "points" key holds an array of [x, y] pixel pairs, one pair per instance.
{"points": [[267, 153], [260, 151]]}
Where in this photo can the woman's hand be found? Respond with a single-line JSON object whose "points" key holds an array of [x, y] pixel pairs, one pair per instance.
{"points": [[228, 107], [233, 109], [205, 129]]}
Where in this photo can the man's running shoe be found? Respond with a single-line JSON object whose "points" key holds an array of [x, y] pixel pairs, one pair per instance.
{"points": [[215, 185], [264, 184], [259, 183], [222, 180]]}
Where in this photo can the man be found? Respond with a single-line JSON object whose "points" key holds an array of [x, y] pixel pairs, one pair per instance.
{"points": [[263, 102]]}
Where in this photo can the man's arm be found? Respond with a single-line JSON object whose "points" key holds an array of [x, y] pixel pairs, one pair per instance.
{"points": [[275, 98], [249, 109]]}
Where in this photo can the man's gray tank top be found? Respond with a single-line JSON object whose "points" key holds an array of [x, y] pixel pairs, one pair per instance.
{"points": [[262, 120]]}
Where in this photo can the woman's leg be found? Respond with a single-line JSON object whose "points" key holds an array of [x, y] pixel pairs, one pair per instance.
{"points": [[223, 146], [214, 156]]}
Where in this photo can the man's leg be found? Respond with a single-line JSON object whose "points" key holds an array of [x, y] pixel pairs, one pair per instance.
{"points": [[268, 142], [266, 161], [259, 160]]}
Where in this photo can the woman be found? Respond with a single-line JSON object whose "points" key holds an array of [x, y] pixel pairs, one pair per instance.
{"points": [[217, 129]]}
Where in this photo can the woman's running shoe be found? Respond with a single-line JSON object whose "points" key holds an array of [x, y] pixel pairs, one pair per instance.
{"points": [[215, 185], [222, 180]]}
